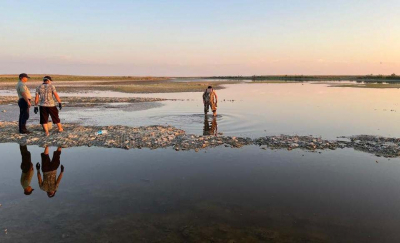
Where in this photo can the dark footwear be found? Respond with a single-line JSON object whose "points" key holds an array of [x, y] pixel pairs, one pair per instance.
{"points": [[24, 130]]}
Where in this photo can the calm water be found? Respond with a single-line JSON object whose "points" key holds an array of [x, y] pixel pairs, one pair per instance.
{"points": [[269, 109], [259, 109], [222, 194]]}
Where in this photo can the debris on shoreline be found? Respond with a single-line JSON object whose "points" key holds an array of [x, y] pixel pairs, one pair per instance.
{"points": [[157, 136], [89, 101]]}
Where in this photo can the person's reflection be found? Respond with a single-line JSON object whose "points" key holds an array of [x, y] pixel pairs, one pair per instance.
{"points": [[50, 181], [27, 170], [210, 130]]}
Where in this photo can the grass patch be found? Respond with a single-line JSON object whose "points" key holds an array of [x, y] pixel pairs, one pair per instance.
{"points": [[56, 77], [367, 86], [274, 82], [304, 78], [160, 87]]}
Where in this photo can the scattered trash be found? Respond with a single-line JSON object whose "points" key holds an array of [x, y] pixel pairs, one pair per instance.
{"points": [[101, 132]]}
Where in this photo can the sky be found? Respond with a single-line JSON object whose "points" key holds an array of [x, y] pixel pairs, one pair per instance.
{"points": [[200, 38]]}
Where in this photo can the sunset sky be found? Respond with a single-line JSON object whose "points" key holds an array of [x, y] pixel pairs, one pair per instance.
{"points": [[190, 38]]}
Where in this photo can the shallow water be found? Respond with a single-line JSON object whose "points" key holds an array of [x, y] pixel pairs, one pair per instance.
{"points": [[221, 194], [269, 109], [217, 195], [256, 110]]}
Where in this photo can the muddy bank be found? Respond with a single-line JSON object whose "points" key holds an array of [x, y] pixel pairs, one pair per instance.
{"points": [[154, 137], [87, 101]]}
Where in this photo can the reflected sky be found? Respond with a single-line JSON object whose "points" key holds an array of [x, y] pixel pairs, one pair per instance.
{"points": [[116, 195], [269, 109], [254, 110]]}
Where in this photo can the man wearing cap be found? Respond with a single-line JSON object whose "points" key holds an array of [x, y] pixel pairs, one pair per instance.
{"points": [[44, 94], [24, 102]]}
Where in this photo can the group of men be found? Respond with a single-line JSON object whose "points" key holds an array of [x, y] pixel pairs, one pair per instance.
{"points": [[46, 92], [44, 97]]}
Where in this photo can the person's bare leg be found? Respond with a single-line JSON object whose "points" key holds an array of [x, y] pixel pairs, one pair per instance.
{"points": [[46, 150], [46, 129], [60, 129], [214, 113]]}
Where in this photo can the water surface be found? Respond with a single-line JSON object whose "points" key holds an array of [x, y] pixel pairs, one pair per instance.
{"points": [[269, 109], [221, 194]]}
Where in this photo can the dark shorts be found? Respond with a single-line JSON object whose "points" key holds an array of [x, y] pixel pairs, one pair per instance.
{"points": [[48, 165], [46, 111]]}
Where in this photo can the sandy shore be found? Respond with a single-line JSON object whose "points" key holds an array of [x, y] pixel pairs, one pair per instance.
{"points": [[154, 137]]}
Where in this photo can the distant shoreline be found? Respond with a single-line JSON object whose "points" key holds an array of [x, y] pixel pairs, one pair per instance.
{"points": [[304, 78], [59, 77]]}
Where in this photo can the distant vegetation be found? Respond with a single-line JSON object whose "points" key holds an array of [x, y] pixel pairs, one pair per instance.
{"points": [[365, 78], [56, 77]]}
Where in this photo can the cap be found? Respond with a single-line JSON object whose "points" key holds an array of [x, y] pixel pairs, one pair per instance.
{"points": [[23, 75], [45, 78]]}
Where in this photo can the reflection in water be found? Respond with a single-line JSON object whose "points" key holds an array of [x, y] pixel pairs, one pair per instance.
{"points": [[210, 130], [27, 170], [50, 181], [221, 195]]}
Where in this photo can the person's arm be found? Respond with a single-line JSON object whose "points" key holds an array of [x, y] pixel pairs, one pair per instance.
{"points": [[25, 96], [60, 176], [36, 99], [216, 98], [57, 97], [39, 176]]}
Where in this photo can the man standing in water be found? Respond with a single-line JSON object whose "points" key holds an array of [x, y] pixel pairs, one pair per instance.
{"points": [[24, 102], [45, 93], [210, 99], [50, 181]]}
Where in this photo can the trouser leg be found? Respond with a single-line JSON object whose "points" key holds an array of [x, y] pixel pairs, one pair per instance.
{"points": [[206, 107], [23, 114]]}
